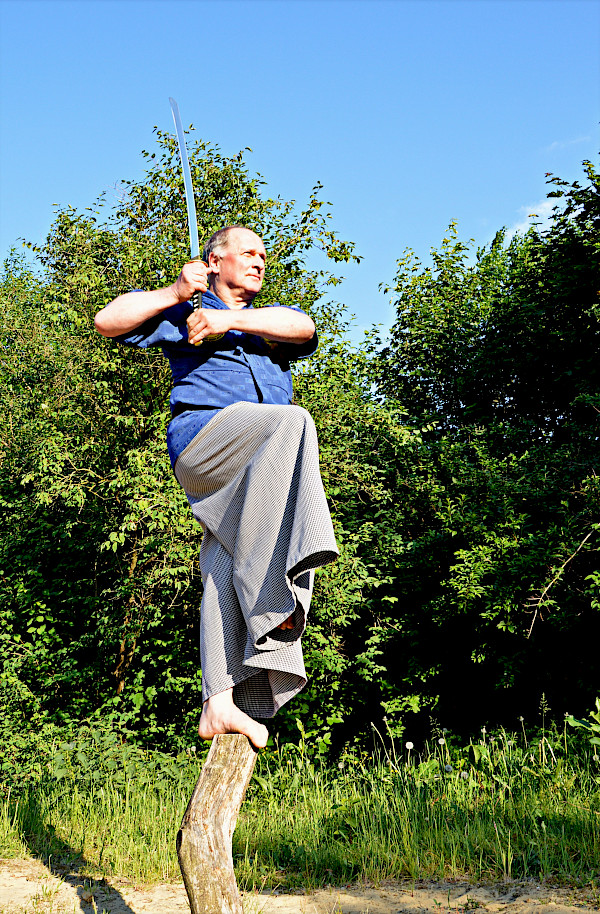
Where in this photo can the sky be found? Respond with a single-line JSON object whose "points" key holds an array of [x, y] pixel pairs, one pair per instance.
{"points": [[411, 113]]}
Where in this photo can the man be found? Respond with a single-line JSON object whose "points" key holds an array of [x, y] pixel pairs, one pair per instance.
{"points": [[248, 462]]}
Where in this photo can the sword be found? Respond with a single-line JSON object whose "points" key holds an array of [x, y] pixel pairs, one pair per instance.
{"points": [[189, 196]]}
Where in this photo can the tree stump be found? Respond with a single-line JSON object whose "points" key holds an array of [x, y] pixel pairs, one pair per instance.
{"points": [[204, 839]]}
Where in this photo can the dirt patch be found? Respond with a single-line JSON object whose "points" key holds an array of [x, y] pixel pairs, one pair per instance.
{"points": [[29, 887]]}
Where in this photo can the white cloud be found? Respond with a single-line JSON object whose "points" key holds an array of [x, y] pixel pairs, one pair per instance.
{"points": [[538, 213], [564, 144]]}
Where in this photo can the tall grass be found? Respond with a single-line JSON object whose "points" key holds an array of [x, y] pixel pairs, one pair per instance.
{"points": [[493, 810], [497, 809]]}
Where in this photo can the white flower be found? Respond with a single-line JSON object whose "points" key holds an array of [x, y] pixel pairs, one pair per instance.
{"points": [[441, 740], [410, 746]]}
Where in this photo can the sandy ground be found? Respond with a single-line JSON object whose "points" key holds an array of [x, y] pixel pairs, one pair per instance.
{"points": [[28, 887]]}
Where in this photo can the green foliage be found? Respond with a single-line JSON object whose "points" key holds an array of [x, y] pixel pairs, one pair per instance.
{"points": [[494, 552], [459, 457], [495, 808], [591, 727], [26, 735], [507, 342]]}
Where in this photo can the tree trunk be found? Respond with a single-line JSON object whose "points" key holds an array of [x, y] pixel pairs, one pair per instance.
{"points": [[204, 839]]}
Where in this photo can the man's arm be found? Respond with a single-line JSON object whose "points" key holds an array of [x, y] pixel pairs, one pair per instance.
{"points": [[283, 325], [128, 311]]}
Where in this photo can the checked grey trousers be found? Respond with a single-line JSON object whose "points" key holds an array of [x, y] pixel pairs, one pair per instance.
{"points": [[251, 476]]}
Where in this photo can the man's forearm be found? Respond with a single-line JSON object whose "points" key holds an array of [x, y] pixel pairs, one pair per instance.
{"points": [[130, 310], [281, 325]]}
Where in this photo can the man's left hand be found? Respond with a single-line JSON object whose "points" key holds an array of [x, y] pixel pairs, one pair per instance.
{"points": [[207, 322]]}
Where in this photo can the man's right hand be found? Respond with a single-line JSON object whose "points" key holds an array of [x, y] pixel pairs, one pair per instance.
{"points": [[193, 278]]}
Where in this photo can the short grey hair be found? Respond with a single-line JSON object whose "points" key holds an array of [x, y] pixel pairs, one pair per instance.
{"points": [[219, 241]]}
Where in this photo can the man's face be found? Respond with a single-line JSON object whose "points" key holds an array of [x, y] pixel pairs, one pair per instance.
{"points": [[239, 268]]}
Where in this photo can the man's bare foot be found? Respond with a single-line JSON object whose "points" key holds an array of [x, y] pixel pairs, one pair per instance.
{"points": [[221, 715], [288, 625]]}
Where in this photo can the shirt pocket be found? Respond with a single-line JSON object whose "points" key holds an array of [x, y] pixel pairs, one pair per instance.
{"points": [[279, 394]]}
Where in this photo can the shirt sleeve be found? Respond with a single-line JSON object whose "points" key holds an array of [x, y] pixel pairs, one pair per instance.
{"points": [[168, 327]]}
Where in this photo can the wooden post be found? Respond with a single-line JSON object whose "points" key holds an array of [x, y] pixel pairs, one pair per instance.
{"points": [[204, 839]]}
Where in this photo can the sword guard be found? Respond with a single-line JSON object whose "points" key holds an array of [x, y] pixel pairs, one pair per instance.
{"points": [[210, 338]]}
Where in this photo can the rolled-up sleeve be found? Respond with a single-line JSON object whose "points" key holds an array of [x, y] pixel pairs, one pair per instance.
{"points": [[168, 327]]}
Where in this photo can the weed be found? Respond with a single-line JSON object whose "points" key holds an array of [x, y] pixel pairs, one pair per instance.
{"points": [[501, 807]]}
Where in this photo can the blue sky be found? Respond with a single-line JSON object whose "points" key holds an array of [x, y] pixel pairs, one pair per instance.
{"points": [[412, 113]]}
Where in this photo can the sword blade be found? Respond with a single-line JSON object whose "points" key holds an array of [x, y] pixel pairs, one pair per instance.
{"points": [[187, 183]]}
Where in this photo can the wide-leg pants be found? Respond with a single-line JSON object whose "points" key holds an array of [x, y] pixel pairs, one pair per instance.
{"points": [[252, 478]]}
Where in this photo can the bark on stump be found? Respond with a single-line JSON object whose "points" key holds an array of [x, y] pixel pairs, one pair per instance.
{"points": [[204, 839]]}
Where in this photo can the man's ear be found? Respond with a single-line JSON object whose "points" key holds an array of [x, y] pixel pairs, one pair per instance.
{"points": [[213, 262]]}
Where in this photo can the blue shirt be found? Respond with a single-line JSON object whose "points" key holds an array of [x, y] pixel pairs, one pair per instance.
{"points": [[207, 378]]}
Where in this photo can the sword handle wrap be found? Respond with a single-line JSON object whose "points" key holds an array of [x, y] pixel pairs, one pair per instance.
{"points": [[196, 301], [196, 298]]}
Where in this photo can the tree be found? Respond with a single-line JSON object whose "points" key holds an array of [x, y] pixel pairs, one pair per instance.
{"points": [[496, 578]]}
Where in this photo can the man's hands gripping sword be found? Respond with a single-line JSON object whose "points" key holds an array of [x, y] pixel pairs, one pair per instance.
{"points": [[204, 323], [129, 311]]}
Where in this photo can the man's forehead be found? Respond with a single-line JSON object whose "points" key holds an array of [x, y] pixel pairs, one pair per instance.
{"points": [[242, 238]]}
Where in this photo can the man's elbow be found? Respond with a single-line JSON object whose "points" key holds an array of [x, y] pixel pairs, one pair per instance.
{"points": [[99, 324], [103, 324], [307, 332]]}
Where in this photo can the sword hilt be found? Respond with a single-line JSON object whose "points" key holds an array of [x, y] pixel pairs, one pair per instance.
{"points": [[196, 301], [196, 298]]}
